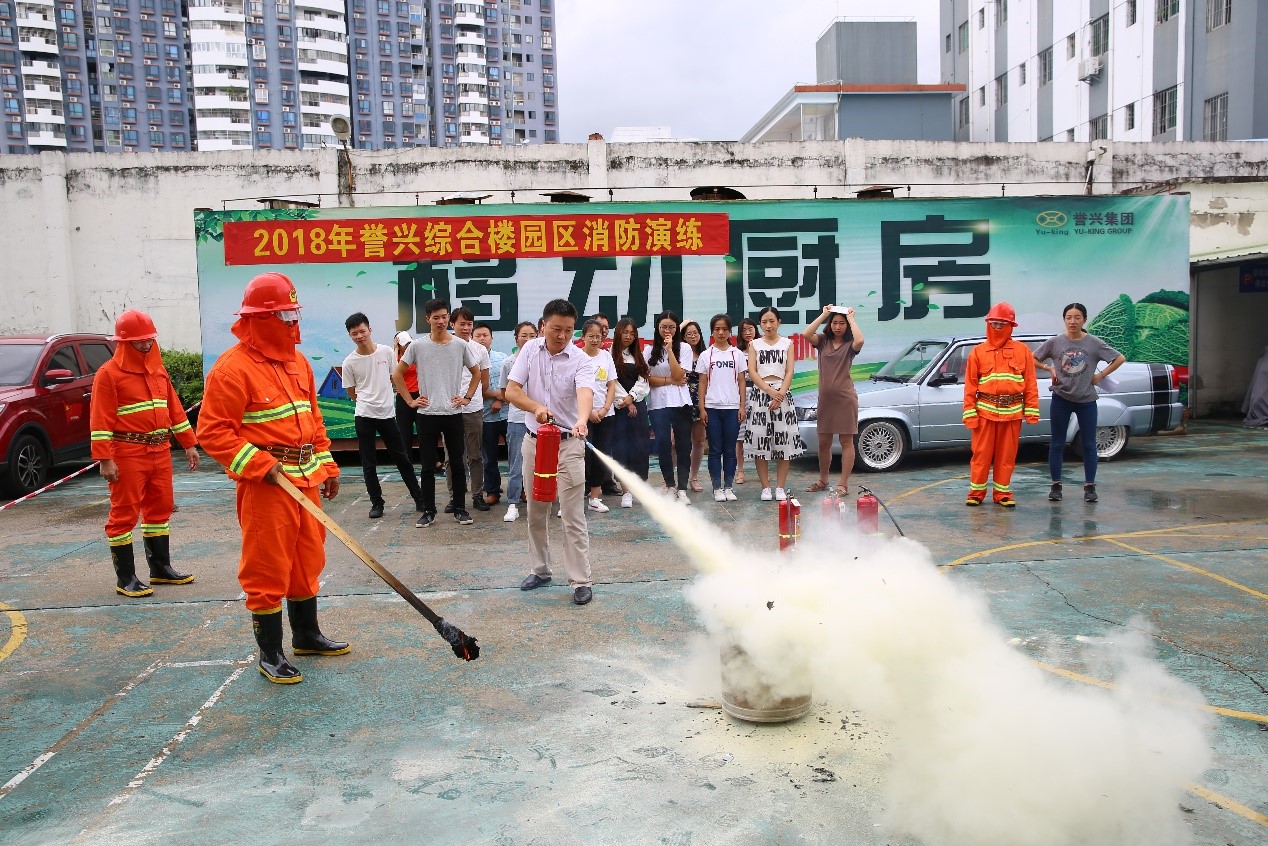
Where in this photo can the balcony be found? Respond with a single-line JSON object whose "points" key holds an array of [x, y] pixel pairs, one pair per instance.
{"points": [[43, 115], [329, 45], [219, 101], [37, 21], [325, 86], [472, 79], [471, 97], [221, 124], [324, 66], [336, 25], [473, 138], [35, 67], [48, 3], [324, 5], [219, 80], [473, 117], [463, 17], [36, 44], [213, 144], [40, 91], [470, 56], [46, 139], [468, 36], [224, 14]]}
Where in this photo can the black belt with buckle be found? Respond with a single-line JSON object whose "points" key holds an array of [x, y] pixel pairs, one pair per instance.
{"points": [[293, 455], [1007, 399], [563, 435]]}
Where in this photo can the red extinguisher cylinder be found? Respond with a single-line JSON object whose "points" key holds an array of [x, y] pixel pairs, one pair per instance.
{"points": [[789, 524], [868, 512], [546, 464]]}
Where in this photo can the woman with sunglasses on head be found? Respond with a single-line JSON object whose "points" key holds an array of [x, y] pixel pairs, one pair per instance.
{"points": [[771, 433], [838, 409], [669, 404], [694, 338], [1074, 357], [630, 445], [747, 332]]}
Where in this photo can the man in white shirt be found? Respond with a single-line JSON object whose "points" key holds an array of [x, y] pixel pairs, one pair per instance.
{"points": [[367, 377], [552, 379], [473, 415]]}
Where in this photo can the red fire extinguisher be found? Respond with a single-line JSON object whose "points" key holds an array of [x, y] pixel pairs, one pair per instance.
{"points": [[789, 524], [546, 463], [868, 512]]}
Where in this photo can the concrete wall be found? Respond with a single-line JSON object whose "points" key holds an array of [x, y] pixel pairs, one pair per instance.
{"points": [[84, 236]]}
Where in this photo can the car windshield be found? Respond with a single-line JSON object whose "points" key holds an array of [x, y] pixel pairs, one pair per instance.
{"points": [[17, 363], [912, 363]]}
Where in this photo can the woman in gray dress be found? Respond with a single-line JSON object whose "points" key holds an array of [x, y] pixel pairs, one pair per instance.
{"points": [[838, 412]]}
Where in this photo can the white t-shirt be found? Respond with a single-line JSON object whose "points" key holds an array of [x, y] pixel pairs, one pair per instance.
{"points": [[371, 377], [670, 396], [477, 399], [605, 372], [722, 365]]}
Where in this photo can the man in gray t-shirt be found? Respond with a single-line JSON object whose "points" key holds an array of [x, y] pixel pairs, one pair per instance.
{"points": [[439, 358]]}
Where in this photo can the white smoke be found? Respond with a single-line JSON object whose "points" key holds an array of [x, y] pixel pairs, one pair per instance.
{"points": [[988, 748]]}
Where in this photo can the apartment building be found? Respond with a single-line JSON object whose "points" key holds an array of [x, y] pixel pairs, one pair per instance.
{"points": [[1122, 70], [139, 75]]}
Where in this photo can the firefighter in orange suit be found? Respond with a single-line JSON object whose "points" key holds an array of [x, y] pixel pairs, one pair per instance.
{"points": [[999, 392], [260, 420], [134, 413]]}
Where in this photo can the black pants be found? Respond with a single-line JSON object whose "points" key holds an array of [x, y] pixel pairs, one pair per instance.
{"points": [[450, 427], [597, 473], [368, 428], [494, 430], [407, 423]]}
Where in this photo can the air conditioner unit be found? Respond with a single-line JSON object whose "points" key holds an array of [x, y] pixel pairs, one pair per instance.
{"points": [[1090, 68]]}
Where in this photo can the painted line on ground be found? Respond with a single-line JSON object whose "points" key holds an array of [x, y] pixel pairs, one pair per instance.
{"points": [[913, 491], [1224, 802], [1189, 567], [110, 702], [964, 559], [1095, 682], [17, 632]]}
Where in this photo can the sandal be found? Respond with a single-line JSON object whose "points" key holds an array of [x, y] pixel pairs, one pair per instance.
{"points": [[843, 490], [696, 486], [817, 486]]}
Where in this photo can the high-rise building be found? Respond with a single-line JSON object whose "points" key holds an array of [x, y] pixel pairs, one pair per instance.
{"points": [[1123, 70], [125, 75]]}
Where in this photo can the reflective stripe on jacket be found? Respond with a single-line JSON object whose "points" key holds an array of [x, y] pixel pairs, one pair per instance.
{"points": [[140, 403], [250, 403]]}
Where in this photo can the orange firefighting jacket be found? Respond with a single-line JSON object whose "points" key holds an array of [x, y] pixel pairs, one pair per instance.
{"points": [[999, 383], [132, 394], [252, 402]]}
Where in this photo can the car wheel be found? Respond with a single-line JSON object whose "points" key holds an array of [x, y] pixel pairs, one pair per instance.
{"points": [[881, 445], [28, 466]]}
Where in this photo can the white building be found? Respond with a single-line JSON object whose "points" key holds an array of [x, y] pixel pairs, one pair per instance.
{"points": [[1124, 70]]}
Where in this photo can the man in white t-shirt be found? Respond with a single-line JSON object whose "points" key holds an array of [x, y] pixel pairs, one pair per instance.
{"points": [[367, 377], [463, 324]]}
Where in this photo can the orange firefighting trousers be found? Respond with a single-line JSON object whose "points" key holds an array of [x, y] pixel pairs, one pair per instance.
{"points": [[144, 490], [283, 546], [994, 453]]}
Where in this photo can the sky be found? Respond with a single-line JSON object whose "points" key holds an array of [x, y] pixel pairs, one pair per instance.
{"points": [[708, 69]]}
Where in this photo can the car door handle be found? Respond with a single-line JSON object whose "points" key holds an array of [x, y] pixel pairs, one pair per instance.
{"points": [[87, 394]]}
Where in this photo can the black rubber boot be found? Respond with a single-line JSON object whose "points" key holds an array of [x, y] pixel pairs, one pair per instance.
{"points": [[158, 555], [126, 582], [306, 636], [273, 663]]}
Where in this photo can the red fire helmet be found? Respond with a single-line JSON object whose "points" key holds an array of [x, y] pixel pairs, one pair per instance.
{"points": [[269, 291], [134, 325], [1002, 311]]}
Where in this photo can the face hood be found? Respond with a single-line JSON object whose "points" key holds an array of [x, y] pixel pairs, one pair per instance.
{"points": [[267, 335], [128, 358], [998, 337]]}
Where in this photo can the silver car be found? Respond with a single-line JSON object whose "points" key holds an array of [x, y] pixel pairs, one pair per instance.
{"points": [[916, 402]]}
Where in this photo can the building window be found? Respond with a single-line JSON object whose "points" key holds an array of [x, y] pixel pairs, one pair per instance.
{"points": [[262, 116], [169, 29], [1100, 35], [948, 42], [964, 37], [1069, 135], [1131, 12], [1001, 13], [1215, 118], [981, 96], [981, 18], [1099, 128], [1166, 10], [1021, 74], [1070, 46], [1129, 116], [156, 139], [131, 137], [1165, 110], [1045, 66], [1218, 13], [964, 111], [178, 139], [1001, 91]]}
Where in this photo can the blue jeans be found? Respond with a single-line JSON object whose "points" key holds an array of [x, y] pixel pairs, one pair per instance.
{"points": [[1062, 408], [515, 433], [723, 428], [678, 422], [494, 430]]}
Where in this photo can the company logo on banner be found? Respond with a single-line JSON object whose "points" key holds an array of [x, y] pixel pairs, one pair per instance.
{"points": [[1052, 219]]}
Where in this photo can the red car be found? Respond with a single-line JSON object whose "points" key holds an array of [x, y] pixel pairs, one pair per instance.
{"points": [[45, 387]]}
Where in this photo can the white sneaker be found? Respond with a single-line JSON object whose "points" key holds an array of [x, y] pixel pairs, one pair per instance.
{"points": [[730, 495], [682, 497], [596, 504], [627, 500], [719, 495], [780, 495], [766, 497], [512, 514]]}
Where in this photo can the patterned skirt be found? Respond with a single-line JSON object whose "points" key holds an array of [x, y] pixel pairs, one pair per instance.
{"points": [[771, 435]]}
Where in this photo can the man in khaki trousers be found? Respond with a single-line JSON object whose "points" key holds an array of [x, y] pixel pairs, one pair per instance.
{"points": [[551, 378]]}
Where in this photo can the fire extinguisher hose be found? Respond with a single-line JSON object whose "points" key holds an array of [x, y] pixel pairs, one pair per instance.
{"points": [[888, 513]]}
